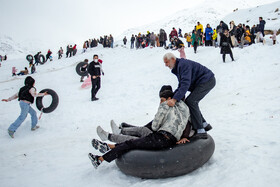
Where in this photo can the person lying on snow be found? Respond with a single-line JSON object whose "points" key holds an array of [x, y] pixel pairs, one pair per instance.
{"points": [[168, 126], [126, 131]]}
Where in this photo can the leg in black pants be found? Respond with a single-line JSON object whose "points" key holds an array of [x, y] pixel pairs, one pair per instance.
{"points": [[95, 86], [154, 141], [195, 46], [193, 100]]}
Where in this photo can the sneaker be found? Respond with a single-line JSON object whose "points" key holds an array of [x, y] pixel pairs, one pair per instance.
{"points": [[100, 146], [199, 136], [115, 128], [94, 99], [103, 135], [94, 160], [208, 127], [34, 128], [11, 133]]}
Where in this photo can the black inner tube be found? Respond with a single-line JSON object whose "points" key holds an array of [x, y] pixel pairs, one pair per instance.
{"points": [[179, 160], [42, 59], [79, 71], [54, 104], [29, 58]]}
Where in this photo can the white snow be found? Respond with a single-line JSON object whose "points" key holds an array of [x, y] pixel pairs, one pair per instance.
{"points": [[243, 109]]}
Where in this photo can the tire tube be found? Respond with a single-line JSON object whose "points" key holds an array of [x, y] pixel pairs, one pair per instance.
{"points": [[42, 59], [179, 160], [29, 58], [54, 104], [78, 69]]}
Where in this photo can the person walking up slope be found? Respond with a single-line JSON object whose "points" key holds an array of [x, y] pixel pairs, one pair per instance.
{"points": [[25, 96]]}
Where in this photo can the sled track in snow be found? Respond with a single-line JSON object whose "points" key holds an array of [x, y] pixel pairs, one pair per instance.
{"points": [[53, 70]]}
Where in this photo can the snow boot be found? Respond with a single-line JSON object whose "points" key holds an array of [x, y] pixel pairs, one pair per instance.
{"points": [[100, 146], [11, 133], [94, 160], [115, 128], [34, 128], [103, 135]]}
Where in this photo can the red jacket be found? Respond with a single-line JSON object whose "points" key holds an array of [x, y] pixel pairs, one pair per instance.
{"points": [[75, 46], [174, 33]]}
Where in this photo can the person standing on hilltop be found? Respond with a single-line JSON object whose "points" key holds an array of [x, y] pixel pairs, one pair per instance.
{"points": [[124, 41], [132, 39], [199, 30], [195, 40], [226, 45], [208, 34], [162, 38], [261, 25]]}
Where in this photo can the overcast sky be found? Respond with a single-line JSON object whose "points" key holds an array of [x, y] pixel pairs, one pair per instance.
{"points": [[72, 20]]}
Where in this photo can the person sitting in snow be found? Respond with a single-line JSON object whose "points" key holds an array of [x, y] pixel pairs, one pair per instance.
{"points": [[25, 96], [126, 131], [181, 47], [168, 126], [23, 72]]}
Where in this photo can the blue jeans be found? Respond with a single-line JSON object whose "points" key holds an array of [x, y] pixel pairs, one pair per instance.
{"points": [[25, 109], [112, 44]]}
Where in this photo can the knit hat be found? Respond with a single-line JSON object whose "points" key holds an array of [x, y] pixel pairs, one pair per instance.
{"points": [[29, 81]]}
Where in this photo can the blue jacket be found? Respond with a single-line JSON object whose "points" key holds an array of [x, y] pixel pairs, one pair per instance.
{"points": [[190, 74], [207, 31]]}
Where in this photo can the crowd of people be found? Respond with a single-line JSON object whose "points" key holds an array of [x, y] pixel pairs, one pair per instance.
{"points": [[223, 36]]}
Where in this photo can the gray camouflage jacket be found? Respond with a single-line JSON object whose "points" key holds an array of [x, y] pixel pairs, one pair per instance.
{"points": [[171, 119]]}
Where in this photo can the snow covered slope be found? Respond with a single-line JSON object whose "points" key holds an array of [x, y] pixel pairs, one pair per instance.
{"points": [[211, 12], [243, 109], [250, 16], [11, 48]]}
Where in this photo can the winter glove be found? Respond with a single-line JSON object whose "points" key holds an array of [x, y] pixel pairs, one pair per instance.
{"points": [[103, 73]]}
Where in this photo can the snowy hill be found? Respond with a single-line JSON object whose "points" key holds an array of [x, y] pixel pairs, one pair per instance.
{"points": [[243, 108], [212, 12], [250, 16], [11, 48]]}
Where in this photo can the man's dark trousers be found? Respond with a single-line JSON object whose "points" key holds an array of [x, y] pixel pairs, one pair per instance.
{"points": [[193, 99], [95, 86]]}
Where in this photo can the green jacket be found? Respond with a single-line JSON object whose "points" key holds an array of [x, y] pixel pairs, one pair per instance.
{"points": [[195, 37]]}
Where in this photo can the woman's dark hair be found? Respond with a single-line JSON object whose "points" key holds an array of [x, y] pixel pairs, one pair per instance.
{"points": [[166, 94], [29, 81]]}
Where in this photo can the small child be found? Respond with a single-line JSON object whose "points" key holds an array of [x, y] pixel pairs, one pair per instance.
{"points": [[14, 70]]}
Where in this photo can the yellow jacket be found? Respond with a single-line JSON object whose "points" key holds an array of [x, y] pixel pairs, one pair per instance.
{"points": [[200, 26], [189, 38], [247, 37], [214, 34]]}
